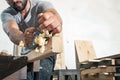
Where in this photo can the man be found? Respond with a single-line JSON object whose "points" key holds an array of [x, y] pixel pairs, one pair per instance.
{"points": [[24, 17]]}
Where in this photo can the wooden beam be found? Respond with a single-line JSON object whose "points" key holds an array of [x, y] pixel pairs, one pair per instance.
{"points": [[18, 75], [97, 63], [84, 51], [99, 77], [11, 64], [54, 46], [108, 69], [60, 62], [116, 56]]}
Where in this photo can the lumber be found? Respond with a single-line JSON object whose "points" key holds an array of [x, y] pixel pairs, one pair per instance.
{"points": [[108, 69], [99, 63], [99, 77], [115, 56], [11, 64], [84, 51]]}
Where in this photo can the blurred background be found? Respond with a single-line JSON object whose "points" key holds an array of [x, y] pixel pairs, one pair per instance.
{"points": [[94, 20]]}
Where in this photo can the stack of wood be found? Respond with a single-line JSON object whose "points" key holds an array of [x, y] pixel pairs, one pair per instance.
{"points": [[107, 68], [92, 68]]}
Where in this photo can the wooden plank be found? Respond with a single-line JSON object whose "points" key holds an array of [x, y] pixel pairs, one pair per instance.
{"points": [[88, 65], [102, 76], [10, 64], [97, 63], [60, 62], [18, 75], [55, 46], [116, 56], [99, 77], [108, 69], [84, 51], [113, 62]]}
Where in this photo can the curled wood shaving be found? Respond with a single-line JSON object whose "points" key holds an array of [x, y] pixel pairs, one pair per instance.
{"points": [[41, 40], [21, 44]]}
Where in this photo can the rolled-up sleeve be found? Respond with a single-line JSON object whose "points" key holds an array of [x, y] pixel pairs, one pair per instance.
{"points": [[6, 17]]}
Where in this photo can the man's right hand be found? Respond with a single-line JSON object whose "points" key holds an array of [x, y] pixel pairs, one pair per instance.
{"points": [[29, 36]]}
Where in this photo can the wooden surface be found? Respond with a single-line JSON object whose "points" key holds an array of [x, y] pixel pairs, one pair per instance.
{"points": [[114, 56], [84, 51], [11, 64], [60, 62], [107, 72], [55, 46], [98, 77], [102, 62], [18, 75], [107, 69]]}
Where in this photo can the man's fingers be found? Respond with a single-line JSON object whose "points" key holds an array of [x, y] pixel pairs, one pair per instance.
{"points": [[40, 27], [44, 16], [30, 30], [48, 21], [40, 18], [57, 29], [40, 15], [47, 15]]}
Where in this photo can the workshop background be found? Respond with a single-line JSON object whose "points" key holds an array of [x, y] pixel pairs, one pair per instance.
{"points": [[94, 20]]}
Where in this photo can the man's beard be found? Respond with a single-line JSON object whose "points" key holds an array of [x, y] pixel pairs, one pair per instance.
{"points": [[20, 8]]}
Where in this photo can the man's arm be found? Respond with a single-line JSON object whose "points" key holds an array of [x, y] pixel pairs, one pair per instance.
{"points": [[15, 35], [12, 30]]}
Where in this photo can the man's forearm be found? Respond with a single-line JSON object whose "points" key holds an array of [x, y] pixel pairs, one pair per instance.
{"points": [[12, 30]]}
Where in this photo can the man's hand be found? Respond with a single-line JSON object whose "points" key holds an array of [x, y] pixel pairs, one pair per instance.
{"points": [[50, 20], [29, 36]]}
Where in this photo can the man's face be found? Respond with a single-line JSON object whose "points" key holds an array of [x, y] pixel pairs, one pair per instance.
{"points": [[18, 5]]}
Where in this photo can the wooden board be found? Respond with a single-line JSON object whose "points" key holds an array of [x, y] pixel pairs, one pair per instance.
{"points": [[18, 75], [107, 69], [60, 62], [97, 63], [11, 64], [99, 77], [84, 51], [55, 46], [116, 56]]}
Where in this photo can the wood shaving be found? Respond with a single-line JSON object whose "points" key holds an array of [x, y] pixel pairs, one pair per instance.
{"points": [[21, 44], [41, 40]]}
